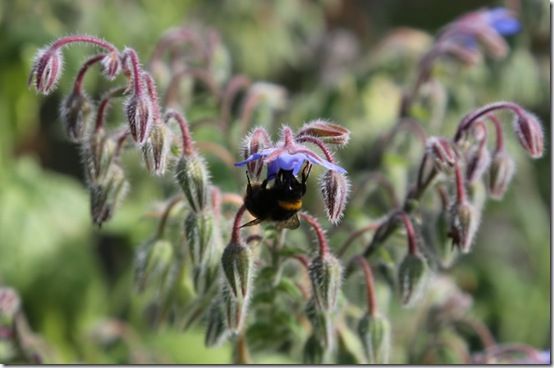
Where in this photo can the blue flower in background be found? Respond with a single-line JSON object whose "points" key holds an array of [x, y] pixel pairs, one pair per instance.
{"points": [[503, 21], [488, 26]]}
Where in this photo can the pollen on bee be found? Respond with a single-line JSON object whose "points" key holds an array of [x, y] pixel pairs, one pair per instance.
{"points": [[290, 205]]}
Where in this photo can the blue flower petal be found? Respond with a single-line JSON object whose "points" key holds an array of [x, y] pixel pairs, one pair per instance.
{"points": [[503, 21], [326, 164], [255, 156], [286, 161]]}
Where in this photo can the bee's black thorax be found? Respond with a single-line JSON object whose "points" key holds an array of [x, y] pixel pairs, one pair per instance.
{"points": [[278, 203]]}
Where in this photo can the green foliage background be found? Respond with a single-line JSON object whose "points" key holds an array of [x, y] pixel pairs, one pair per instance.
{"points": [[73, 277]]}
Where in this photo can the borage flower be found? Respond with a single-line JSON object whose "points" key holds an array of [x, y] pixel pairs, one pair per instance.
{"points": [[288, 155], [487, 26], [284, 162]]}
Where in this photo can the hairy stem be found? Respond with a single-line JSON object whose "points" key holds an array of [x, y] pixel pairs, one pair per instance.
{"points": [[235, 234], [104, 104], [186, 139], [78, 84], [316, 226], [165, 215], [370, 286], [83, 39]]}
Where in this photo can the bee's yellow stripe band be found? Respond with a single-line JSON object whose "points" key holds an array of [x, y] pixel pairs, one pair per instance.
{"points": [[291, 206]]}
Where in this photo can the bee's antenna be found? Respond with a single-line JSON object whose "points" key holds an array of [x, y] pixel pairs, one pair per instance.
{"points": [[248, 177]]}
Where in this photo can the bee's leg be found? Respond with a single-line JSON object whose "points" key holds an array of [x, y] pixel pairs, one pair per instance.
{"points": [[264, 184], [306, 172], [252, 223]]}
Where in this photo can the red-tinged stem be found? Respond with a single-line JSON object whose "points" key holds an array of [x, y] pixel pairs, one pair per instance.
{"points": [[483, 140], [319, 143], [188, 148], [481, 330], [153, 93], [288, 136], [410, 232], [316, 226], [119, 140], [460, 191], [473, 116], [165, 215], [254, 238], [171, 38], [235, 234], [252, 100], [85, 39], [201, 75], [215, 195], [498, 130], [235, 85], [443, 197], [103, 106], [78, 84], [370, 285], [355, 235], [302, 259], [260, 134], [136, 70], [232, 198]]}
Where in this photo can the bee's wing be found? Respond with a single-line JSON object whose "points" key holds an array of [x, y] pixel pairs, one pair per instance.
{"points": [[291, 223]]}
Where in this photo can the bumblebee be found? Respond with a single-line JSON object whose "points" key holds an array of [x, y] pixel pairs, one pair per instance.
{"points": [[279, 203]]}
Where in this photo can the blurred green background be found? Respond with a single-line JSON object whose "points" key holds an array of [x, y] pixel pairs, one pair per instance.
{"points": [[75, 280]]}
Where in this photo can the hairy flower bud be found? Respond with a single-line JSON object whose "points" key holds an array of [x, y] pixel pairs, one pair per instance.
{"points": [[235, 310], [76, 114], [216, 330], [156, 149], [237, 265], [501, 171], [198, 236], [412, 278], [192, 176], [139, 115], [46, 70], [529, 133], [111, 65], [204, 277], [314, 350], [335, 188], [442, 153], [98, 152], [326, 276], [106, 195], [152, 262], [464, 222], [328, 132], [478, 161], [375, 334], [254, 142]]}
